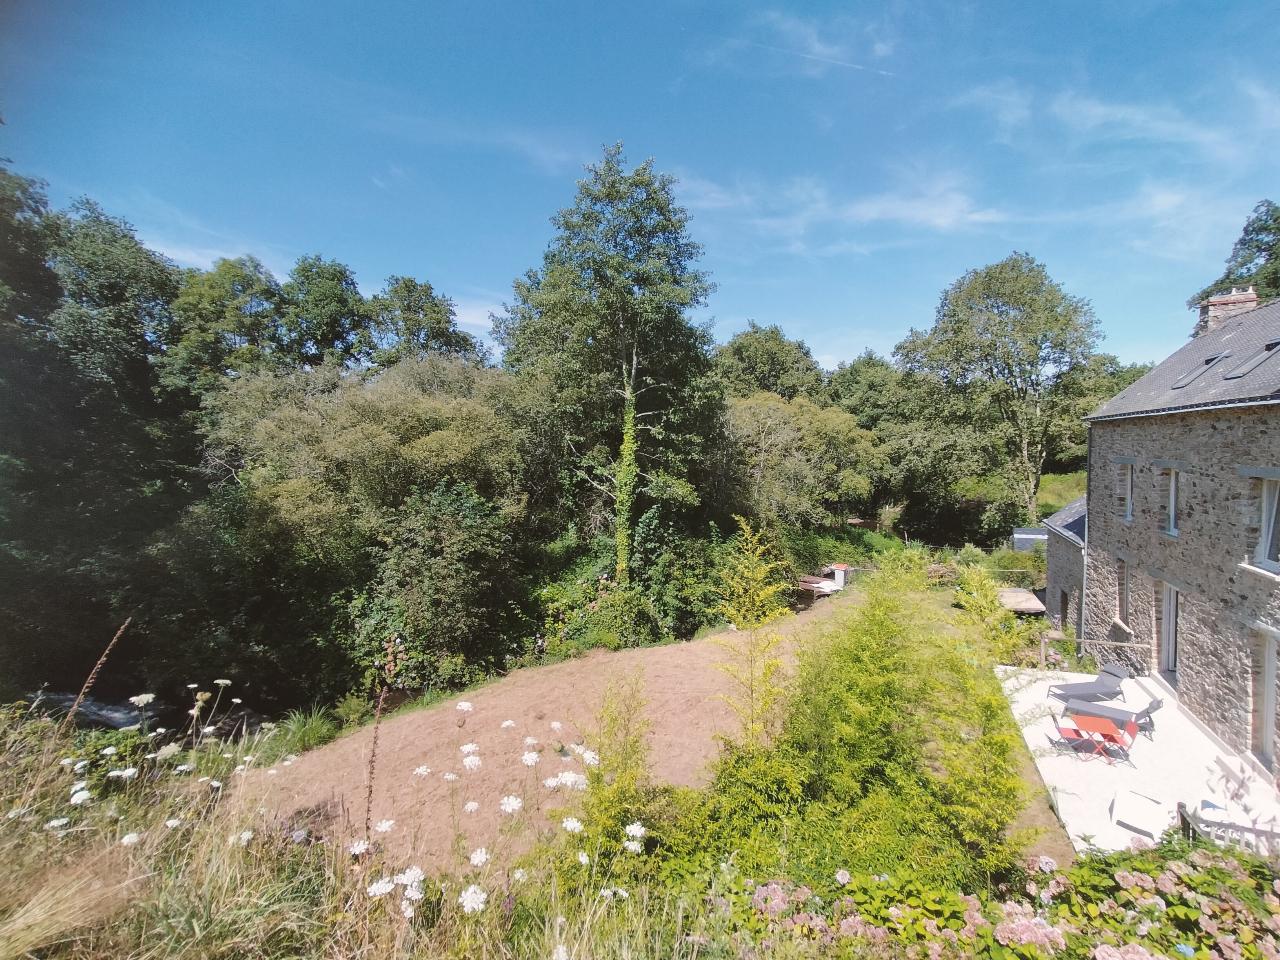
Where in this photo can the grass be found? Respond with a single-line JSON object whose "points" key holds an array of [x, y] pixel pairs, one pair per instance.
{"points": [[1059, 489]]}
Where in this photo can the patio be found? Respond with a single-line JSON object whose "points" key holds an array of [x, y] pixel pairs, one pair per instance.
{"points": [[1107, 804]]}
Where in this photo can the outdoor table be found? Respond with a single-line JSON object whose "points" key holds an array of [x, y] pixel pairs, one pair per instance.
{"points": [[1105, 733], [1083, 708]]}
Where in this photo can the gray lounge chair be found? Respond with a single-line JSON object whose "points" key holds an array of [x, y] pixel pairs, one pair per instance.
{"points": [[1115, 670], [1105, 686]]}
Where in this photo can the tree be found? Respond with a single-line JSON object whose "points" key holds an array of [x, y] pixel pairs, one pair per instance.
{"points": [[762, 358], [866, 388], [324, 314], [798, 463], [1009, 336], [227, 324], [605, 320], [28, 288], [411, 320], [1255, 258]]}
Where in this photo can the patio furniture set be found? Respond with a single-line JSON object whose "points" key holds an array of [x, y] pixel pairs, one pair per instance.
{"points": [[1093, 729]]}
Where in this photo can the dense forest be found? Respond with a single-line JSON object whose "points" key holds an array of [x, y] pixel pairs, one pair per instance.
{"points": [[274, 476]]}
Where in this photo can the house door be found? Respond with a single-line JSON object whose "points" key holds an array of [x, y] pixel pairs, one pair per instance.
{"points": [[1169, 630], [1064, 605], [1264, 693]]}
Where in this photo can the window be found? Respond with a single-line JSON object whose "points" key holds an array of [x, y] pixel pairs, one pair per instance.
{"points": [[1198, 370], [1252, 363], [1126, 490], [1122, 592], [1267, 552], [1172, 478]]}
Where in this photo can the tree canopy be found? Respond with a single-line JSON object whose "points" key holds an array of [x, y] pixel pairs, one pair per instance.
{"points": [[1255, 257]]}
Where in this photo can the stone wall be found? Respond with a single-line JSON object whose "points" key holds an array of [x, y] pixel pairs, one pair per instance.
{"points": [[1221, 457], [1065, 574]]}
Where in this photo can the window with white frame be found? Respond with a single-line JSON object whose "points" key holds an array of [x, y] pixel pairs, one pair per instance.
{"points": [[1122, 592], [1267, 552], [1172, 482]]}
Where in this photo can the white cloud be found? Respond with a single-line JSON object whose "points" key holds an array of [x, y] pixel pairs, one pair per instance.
{"points": [[1153, 123], [473, 314], [809, 46], [1008, 104], [547, 152]]}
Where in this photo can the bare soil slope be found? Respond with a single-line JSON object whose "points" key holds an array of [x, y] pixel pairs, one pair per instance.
{"points": [[683, 690]]}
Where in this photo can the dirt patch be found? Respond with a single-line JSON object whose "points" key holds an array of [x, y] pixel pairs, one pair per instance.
{"points": [[554, 705]]}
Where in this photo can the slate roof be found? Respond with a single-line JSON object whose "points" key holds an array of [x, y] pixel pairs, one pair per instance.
{"points": [[1069, 521], [1229, 366]]}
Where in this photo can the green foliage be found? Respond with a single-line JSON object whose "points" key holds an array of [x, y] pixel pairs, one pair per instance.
{"points": [[444, 547], [752, 584], [764, 359], [353, 709], [1255, 257], [809, 550], [618, 616], [306, 729], [1059, 489], [857, 779], [800, 464]]}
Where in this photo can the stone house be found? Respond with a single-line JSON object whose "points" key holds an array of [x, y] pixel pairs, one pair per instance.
{"points": [[1182, 552], [1064, 553]]}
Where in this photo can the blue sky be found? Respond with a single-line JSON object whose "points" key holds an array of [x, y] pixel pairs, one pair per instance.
{"points": [[843, 162]]}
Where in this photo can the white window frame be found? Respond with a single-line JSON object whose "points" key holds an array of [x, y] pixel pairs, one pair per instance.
{"points": [[1266, 529], [1122, 591], [1126, 486], [1171, 505]]}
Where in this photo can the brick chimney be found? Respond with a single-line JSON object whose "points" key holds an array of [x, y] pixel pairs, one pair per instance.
{"points": [[1219, 307]]}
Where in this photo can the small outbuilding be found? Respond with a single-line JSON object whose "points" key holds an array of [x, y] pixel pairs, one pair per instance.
{"points": [[1064, 553]]}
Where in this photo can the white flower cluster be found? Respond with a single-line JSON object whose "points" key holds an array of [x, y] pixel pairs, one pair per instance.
{"points": [[470, 807], [566, 778], [572, 824], [530, 758], [471, 761], [472, 899], [510, 804]]}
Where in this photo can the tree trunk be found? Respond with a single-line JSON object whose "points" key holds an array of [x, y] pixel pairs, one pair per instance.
{"points": [[625, 477]]}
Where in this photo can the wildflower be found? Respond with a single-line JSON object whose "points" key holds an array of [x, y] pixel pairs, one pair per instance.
{"points": [[508, 724], [215, 784], [245, 837], [471, 761], [167, 751], [223, 683], [472, 899], [183, 768], [129, 839], [464, 706], [128, 773], [510, 804], [192, 686], [470, 807], [621, 894], [380, 888], [479, 857], [80, 796], [236, 700], [591, 758], [561, 952], [208, 729], [633, 846], [530, 741], [67, 761], [530, 758], [384, 826], [358, 847], [842, 877], [606, 894], [299, 836], [108, 751], [556, 725], [635, 830], [80, 765], [572, 824], [173, 822], [57, 823], [406, 908], [410, 877], [518, 875], [467, 748], [450, 777], [422, 771], [413, 891], [79, 785], [583, 858], [272, 772], [551, 783]]}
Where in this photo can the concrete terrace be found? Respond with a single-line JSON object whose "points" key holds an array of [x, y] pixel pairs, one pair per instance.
{"points": [[1108, 805]]}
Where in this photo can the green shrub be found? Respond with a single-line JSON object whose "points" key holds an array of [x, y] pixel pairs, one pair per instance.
{"points": [[353, 710], [806, 551], [302, 730]]}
